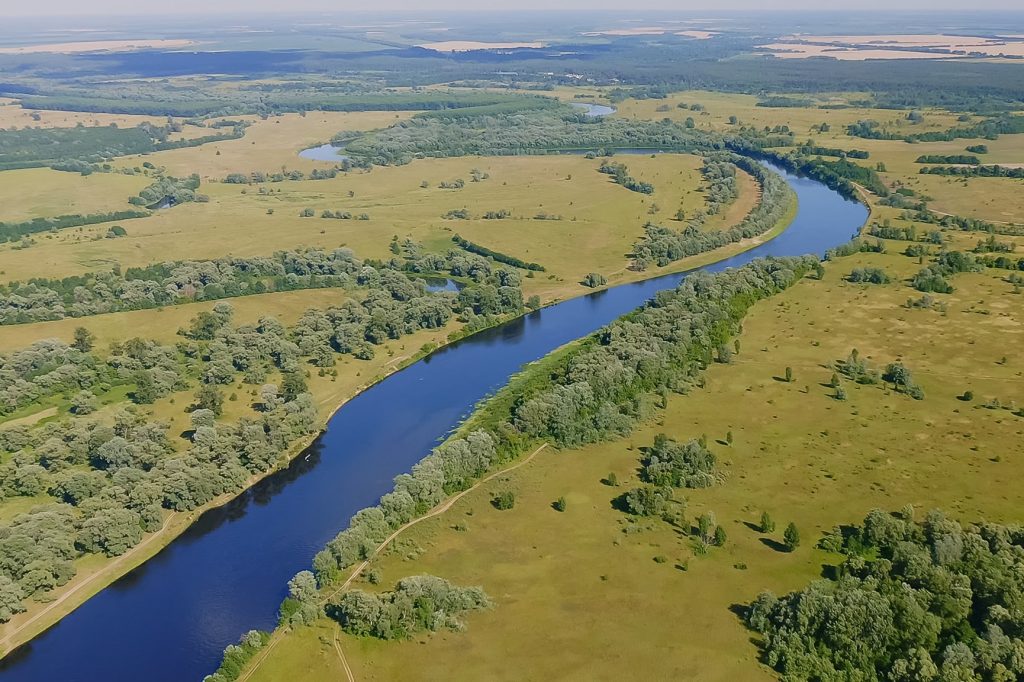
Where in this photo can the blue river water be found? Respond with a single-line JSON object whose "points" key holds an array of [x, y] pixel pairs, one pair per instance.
{"points": [[170, 619]]}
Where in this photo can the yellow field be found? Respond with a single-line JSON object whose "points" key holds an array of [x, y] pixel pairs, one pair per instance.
{"points": [[268, 145], [720, 106], [162, 324], [12, 114], [45, 193], [600, 220], [588, 601]]}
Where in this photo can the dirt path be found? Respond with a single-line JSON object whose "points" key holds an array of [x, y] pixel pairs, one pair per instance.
{"points": [[114, 566], [436, 511], [30, 419]]}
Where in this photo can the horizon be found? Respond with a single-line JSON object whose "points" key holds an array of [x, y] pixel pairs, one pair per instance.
{"points": [[130, 8]]}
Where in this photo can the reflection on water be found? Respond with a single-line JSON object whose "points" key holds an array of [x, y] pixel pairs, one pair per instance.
{"points": [[325, 152]]}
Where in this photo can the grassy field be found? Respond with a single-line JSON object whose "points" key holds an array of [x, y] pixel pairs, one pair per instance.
{"points": [[268, 144], [718, 107], [587, 599], [162, 324], [13, 114], [600, 220], [46, 193]]}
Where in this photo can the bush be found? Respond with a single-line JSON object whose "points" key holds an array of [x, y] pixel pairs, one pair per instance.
{"points": [[504, 500]]}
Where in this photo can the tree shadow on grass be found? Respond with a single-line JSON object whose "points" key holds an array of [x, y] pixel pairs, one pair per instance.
{"points": [[774, 544], [752, 526]]}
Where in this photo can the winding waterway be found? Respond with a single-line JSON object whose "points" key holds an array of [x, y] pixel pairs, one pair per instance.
{"points": [[170, 618]]}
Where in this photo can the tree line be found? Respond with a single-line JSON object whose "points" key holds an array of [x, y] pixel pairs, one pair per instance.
{"points": [[662, 245], [497, 256]]}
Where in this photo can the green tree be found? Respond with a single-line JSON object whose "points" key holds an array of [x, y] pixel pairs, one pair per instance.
{"points": [[789, 374], [146, 391], [504, 500], [791, 537], [559, 504], [292, 385], [720, 536], [84, 340], [767, 523], [84, 402], [209, 397]]}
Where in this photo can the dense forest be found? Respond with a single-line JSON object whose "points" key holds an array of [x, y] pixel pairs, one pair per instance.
{"points": [[910, 601], [532, 132]]}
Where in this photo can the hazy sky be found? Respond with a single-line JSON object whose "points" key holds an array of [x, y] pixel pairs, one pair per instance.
{"points": [[100, 7]]}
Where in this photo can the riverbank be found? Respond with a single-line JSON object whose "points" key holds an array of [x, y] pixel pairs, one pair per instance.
{"points": [[356, 444], [92, 579]]}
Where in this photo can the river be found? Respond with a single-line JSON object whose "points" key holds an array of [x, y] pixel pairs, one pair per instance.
{"points": [[170, 618]]}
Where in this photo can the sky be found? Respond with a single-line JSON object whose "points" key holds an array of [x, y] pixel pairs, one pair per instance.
{"points": [[178, 7]]}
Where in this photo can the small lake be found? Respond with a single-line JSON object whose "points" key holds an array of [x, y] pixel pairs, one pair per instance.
{"points": [[169, 619], [594, 110], [441, 284], [325, 152]]}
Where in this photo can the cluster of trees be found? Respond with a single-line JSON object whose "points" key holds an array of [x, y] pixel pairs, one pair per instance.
{"points": [[169, 191], [530, 132], [978, 148], [720, 177], [111, 483], [857, 369], [934, 277], [809, 149], [497, 256], [964, 159], [679, 465], [975, 171], [988, 128], [869, 275], [620, 174], [344, 215], [13, 231], [175, 282], [910, 601], [258, 177], [661, 245], [49, 368], [782, 101], [417, 604], [70, 148], [236, 656], [907, 233]]}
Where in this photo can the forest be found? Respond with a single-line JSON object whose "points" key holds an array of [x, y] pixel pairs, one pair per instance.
{"points": [[927, 600]]}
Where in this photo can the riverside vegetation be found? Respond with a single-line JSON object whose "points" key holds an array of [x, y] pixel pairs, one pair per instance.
{"points": [[119, 454]]}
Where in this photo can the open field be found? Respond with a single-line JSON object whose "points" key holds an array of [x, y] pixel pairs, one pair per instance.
{"points": [[881, 46], [268, 144], [98, 46], [570, 588], [162, 324], [719, 106], [467, 45], [600, 220], [12, 114], [653, 31], [45, 193]]}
